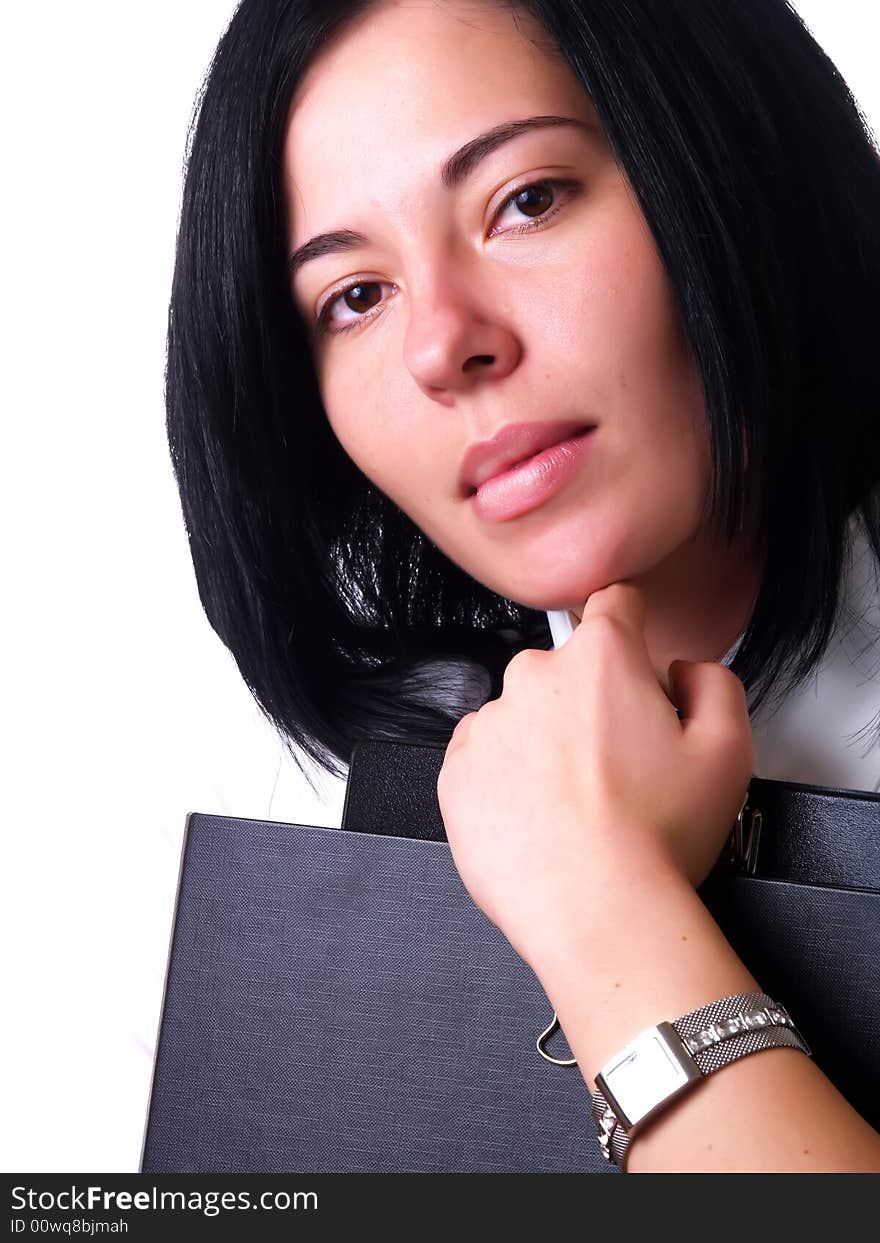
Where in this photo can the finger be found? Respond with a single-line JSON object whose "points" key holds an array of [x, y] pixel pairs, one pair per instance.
{"points": [[626, 602], [709, 697], [623, 600]]}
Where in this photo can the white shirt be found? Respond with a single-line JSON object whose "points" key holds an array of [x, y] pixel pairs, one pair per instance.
{"points": [[826, 732]]}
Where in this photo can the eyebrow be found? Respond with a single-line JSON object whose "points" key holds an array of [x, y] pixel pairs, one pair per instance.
{"points": [[453, 172]]}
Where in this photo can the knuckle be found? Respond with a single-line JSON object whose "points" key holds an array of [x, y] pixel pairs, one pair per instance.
{"points": [[728, 688], [458, 736], [731, 680], [522, 664]]}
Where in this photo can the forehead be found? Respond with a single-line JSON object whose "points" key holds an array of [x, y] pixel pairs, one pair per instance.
{"points": [[403, 85]]}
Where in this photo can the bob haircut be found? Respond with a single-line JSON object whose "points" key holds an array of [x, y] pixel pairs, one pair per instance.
{"points": [[760, 181]]}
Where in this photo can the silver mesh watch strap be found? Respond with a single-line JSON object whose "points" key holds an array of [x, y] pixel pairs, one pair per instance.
{"points": [[699, 1043]]}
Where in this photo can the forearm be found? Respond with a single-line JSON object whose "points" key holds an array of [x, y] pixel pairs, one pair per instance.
{"points": [[658, 955]]}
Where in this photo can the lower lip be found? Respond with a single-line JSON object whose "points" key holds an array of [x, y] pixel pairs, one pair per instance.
{"points": [[531, 483]]}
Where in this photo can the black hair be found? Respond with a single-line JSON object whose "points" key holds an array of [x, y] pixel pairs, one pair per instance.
{"points": [[760, 181]]}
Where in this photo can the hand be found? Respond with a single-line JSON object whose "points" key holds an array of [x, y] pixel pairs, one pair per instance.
{"points": [[581, 775]]}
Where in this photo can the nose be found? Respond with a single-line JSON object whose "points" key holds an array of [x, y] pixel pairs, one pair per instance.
{"points": [[454, 341]]}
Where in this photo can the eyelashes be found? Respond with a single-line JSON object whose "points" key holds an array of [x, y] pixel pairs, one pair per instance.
{"points": [[566, 188]]}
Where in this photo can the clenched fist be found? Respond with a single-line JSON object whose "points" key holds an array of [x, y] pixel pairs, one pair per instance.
{"points": [[581, 777]]}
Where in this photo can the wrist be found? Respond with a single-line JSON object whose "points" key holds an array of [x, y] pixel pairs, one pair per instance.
{"points": [[615, 906], [656, 955]]}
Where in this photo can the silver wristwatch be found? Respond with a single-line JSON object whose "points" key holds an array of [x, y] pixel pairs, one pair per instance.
{"points": [[664, 1060]]}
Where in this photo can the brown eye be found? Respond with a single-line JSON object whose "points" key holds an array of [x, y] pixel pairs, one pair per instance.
{"points": [[536, 198], [539, 201], [356, 299], [362, 299]]}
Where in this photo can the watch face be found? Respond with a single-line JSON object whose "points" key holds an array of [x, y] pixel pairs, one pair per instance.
{"points": [[646, 1073]]}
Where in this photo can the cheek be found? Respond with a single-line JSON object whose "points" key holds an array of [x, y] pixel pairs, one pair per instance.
{"points": [[398, 440], [653, 477], [350, 405], [374, 439], [651, 381], [634, 322]]}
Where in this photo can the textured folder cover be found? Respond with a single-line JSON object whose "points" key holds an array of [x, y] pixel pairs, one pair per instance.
{"points": [[336, 1001]]}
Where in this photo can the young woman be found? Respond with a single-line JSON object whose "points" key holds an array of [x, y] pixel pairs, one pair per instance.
{"points": [[635, 246]]}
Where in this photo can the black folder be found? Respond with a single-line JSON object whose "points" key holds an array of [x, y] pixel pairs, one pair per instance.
{"points": [[335, 1001]]}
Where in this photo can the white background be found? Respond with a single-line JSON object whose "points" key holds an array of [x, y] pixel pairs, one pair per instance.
{"points": [[123, 710]]}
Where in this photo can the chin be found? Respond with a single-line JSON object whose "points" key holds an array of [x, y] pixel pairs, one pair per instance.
{"points": [[574, 601]]}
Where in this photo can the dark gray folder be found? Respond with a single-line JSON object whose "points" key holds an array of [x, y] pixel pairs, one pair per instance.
{"points": [[336, 1002]]}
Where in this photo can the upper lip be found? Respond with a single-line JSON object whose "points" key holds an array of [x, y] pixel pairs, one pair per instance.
{"points": [[513, 443]]}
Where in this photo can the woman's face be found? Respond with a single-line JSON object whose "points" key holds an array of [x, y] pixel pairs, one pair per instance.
{"points": [[475, 306]]}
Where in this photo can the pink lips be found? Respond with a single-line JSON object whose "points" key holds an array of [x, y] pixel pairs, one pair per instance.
{"points": [[517, 442], [522, 466], [529, 484]]}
